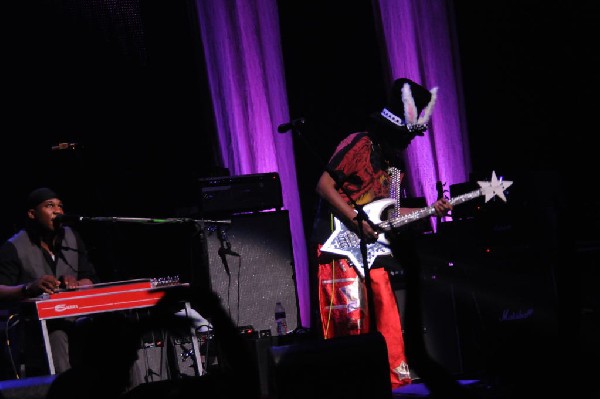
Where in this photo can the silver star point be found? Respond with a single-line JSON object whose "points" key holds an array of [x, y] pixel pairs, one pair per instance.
{"points": [[494, 187]]}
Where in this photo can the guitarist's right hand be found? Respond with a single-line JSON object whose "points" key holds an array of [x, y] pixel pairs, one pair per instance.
{"points": [[371, 235], [326, 188]]}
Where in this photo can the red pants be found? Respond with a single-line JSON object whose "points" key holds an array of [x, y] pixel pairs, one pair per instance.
{"points": [[344, 311]]}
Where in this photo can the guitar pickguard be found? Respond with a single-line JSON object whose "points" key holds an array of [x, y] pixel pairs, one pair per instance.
{"points": [[345, 242]]}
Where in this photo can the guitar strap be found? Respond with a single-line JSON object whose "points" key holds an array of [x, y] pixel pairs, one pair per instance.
{"points": [[395, 180]]}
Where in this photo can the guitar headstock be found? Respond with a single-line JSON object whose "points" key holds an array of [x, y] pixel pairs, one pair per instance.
{"points": [[494, 187], [440, 188]]}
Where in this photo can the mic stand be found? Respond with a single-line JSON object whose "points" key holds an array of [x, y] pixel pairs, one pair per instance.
{"points": [[118, 219], [360, 217], [224, 249]]}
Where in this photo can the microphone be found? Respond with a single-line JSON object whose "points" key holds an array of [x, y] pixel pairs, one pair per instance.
{"points": [[225, 244], [66, 219], [225, 249], [285, 127], [64, 146]]}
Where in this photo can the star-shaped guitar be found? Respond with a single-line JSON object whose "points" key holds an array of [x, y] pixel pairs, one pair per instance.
{"points": [[345, 242]]}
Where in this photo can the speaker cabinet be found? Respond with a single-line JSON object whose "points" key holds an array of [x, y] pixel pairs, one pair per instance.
{"points": [[440, 330], [489, 301], [151, 365], [258, 269]]}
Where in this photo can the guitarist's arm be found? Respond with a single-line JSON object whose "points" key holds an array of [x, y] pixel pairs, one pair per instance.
{"points": [[326, 188]]}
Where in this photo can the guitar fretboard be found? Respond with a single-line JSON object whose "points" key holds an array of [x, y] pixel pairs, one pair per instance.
{"points": [[393, 223]]}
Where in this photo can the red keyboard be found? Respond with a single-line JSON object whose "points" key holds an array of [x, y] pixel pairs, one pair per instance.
{"points": [[104, 297]]}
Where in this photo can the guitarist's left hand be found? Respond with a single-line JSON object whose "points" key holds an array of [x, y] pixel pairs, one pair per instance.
{"points": [[442, 207]]}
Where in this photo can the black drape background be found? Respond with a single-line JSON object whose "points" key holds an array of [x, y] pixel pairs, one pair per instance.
{"points": [[126, 83]]}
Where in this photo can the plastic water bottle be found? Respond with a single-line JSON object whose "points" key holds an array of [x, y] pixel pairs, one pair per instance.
{"points": [[280, 319]]}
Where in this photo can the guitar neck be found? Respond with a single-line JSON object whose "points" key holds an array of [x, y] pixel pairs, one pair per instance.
{"points": [[425, 212]]}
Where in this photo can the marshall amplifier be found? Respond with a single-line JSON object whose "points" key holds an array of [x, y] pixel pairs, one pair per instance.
{"points": [[235, 194]]}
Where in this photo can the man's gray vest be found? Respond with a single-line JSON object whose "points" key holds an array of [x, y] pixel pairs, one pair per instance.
{"points": [[33, 261]]}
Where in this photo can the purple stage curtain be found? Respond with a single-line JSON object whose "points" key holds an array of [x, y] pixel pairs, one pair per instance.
{"points": [[419, 37], [246, 77]]}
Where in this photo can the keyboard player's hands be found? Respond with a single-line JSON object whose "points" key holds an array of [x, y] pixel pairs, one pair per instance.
{"points": [[68, 282], [43, 285], [71, 282], [84, 281]]}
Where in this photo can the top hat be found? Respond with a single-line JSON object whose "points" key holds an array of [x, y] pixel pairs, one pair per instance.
{"points": [[408, 108]]}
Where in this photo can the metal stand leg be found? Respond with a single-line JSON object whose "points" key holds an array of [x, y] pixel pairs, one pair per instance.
{"points": [[195, 344], [48, 347]]}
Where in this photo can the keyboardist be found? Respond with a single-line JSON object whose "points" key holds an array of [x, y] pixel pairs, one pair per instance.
{"points": [[41, 258]]}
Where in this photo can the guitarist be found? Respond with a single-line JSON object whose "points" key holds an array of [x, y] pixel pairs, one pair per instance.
{"points": [[361, 162]]}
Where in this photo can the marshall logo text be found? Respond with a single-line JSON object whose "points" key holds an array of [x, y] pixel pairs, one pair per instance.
{"points": [[508, 315]]}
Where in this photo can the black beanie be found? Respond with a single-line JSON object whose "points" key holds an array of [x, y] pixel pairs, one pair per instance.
{"points": [[39, 195]]}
